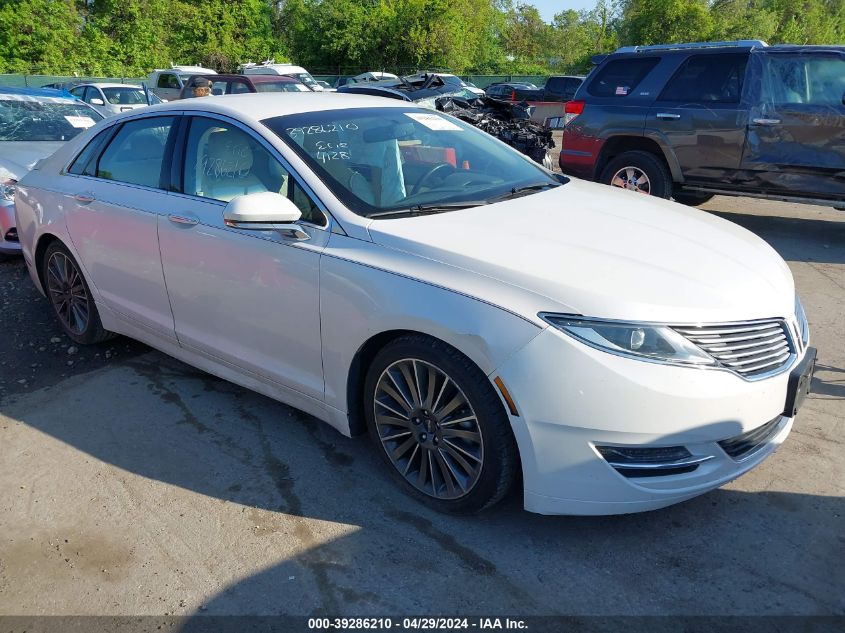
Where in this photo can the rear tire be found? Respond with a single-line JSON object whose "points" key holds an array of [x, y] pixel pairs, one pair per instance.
{"points": [[70, 297], [441, 429], [640, 172], [691, 198]]}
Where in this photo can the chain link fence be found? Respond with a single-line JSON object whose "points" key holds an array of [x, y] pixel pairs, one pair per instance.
{"points": [[37, 81]]}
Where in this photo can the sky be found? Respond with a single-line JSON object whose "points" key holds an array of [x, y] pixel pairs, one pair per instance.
{"points": [[548, 8]]}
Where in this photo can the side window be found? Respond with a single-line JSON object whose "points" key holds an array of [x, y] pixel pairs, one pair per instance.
{"points": [[804, 79], [136, 153], [620, 77], [707, 79], [223, 162], [78, 92], [239, 87], [167, 80], [218, 88], [84, 164]]}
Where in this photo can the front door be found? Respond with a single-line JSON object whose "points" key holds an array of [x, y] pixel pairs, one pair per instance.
{"points": [[796, 135], [114, 195], [246, 298], [700, 117]]}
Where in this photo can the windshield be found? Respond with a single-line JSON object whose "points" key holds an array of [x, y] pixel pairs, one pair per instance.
{"points": [[280, 86], [377, 160], [43, 119], [125, 96], [305, 78]]}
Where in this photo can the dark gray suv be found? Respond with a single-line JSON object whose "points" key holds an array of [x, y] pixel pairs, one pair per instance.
{"points": [[692, 120]]}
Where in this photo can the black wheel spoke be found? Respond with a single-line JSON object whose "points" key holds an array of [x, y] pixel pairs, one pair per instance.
{"points": [[428, 429]]}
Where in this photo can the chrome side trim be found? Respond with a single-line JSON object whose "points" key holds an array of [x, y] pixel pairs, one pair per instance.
{"points": [[679, 463]]}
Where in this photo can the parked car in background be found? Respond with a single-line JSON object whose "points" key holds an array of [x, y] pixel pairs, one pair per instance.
{"points": [[239, 84], [62, 85], [450, 80], [327, 87], [109, 99], [558, 88], [270, 67], [373, 75], [168, 83], [693, 120], [34, 123], [512, 91], [393, 270]]}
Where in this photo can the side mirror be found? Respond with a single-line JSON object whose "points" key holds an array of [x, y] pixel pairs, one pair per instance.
{"points": [[265, 211], [97, 101]]}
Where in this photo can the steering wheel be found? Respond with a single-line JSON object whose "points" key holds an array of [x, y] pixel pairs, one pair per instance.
{"points": [[415, 190]]}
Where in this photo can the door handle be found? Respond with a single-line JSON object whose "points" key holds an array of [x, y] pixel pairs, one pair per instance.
{"points": [[765, 121], [84, 198], [187, 220], [667, 115]]}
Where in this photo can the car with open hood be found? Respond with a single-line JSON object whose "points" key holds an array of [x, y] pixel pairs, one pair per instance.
{"points": [[394, 271]]}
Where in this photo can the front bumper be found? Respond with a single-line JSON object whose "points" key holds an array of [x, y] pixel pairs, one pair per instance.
{"points": [[572, 398], [7, 225]]}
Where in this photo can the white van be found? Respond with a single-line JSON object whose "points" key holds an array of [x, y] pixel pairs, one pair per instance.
{"points": [[167, 84], [270, 67]]}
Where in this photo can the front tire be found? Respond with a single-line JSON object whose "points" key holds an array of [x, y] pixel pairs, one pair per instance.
{"points": [[439, 425], [640, 172], [70, 297]]}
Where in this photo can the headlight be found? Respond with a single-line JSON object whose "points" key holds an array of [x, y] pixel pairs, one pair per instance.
{"points": [[802, 321], [644, 342], [7, 189]]}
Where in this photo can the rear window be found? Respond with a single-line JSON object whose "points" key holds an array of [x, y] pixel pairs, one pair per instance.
{"points": [[620, 77], [280, 86], [25, 118]]}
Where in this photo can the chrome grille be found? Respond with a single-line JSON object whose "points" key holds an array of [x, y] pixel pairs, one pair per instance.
{"points": [[749, 349]]}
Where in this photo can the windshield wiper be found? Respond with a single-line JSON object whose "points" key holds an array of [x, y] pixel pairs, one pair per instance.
{"points": [[520, 191], [429, 209]]}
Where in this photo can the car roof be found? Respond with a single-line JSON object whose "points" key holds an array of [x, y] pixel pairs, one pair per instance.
{"points": [[38, 92], [100, 84], [264, 105], [251, 78]]}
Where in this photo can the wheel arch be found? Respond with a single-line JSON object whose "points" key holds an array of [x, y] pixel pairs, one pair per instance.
{"points": [[616, 145], [41, 247]]}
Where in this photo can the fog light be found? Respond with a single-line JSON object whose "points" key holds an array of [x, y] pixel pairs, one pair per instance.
{"points": [[11, 235], [631, 461]]}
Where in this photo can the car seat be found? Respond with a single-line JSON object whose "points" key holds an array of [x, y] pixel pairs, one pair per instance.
{"points": [[227, 166]]}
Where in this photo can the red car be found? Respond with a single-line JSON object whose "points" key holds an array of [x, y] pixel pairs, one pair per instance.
{"points": [[238, 84]]}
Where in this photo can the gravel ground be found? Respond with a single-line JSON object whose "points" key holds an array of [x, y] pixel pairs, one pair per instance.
{"points": [[33, 351]]}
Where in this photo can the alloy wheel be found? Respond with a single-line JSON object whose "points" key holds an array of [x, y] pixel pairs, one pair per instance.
{"points": [[632, 179], [428, 429], [67, 293]]}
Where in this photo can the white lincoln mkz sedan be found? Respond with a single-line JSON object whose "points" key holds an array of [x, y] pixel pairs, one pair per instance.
{"points": [[394, 270]]}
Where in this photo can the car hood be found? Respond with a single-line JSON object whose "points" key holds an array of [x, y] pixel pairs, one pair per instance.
{"points": [[18, 157], [592, 250]]}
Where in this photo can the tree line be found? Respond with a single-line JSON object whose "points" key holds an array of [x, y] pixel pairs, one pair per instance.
{"points": [[131, 37]]}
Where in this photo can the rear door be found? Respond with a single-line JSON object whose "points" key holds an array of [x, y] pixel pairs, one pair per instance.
{"points": [[113, 197], [701, 117], [796, 142]]}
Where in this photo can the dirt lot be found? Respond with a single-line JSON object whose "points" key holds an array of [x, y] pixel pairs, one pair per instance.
{"points": [[133, 484]]}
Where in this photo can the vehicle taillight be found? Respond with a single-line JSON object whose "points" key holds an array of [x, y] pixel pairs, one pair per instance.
{"points": [[571, 110]]}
